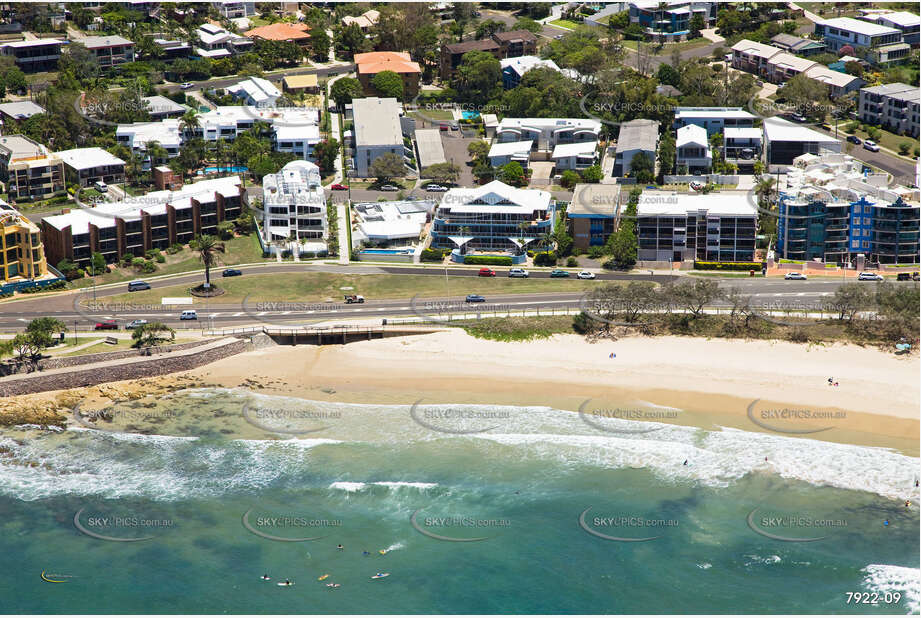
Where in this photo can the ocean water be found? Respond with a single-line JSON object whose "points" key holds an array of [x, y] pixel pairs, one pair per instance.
{"points": [[470, 509]]}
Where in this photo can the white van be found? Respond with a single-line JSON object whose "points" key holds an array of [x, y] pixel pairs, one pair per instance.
{"points": [[101, 186], [188, 314]]}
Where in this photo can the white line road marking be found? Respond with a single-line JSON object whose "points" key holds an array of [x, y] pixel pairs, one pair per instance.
{"points": [[285, 312], [237, 314], [261, 313]]}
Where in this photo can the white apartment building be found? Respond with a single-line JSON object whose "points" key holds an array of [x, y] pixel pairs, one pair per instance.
{"points": [[713, 119], [216, 42], [139, 134], [884, 43], [547, 133], [255, 91], [893, 106], [692, 150], [377, 131], [294, 204]]}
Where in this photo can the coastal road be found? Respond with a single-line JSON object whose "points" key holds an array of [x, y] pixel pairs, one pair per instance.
{"points": [[214, 314]]}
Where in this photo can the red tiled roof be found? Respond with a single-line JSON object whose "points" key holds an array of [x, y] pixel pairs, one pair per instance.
{"points": [[280, 32], [373, 63]]}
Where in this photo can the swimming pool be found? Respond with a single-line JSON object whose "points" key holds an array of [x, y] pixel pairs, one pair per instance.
{"points": [[388, 251], [233, 169], [467, 115]]}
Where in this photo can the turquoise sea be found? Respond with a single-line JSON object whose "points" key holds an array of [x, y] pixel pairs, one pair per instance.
{"points": [[542, 491]]}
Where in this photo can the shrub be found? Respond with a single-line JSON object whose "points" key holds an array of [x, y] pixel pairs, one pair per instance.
{"points": [[160, 258], [727, 265], [545, 258], [490, 260], [596, 253], [434, 255], [904, 148], [572, 262], [174, 248], [152, 253]]}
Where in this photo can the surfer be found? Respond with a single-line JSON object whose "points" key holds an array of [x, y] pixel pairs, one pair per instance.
{"points": [[339, 547], [365, 553], [685, 462], [266, 577]]}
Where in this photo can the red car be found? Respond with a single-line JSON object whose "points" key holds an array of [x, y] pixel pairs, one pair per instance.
{"points": [[106, 325], [487, 272], [339, 187]]}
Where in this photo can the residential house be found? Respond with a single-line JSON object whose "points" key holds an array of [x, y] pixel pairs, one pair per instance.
{"points": [[391, 224], [29, 170], [255, 91], [172, 49], [35, 55], [296, 84], [86, 166], [547, 134], [892, 106], [159, 107], [797, 45], [19, 110], [742, 147], [235, 10], [110, 51], [908, 23], [503, 153], [713, 119], [377, 131], [364, 21], [216, 42], [636, 137], [501, 45], [282, 31], [372, 63], [671, 21], [692, 150], [513, 69]]}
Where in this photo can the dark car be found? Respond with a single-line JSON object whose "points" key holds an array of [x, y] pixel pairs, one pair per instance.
{"points": [[903, 277], [854, 139], [556, 272], [138, 285], [474, 298], [106, 325], [231, 272]]}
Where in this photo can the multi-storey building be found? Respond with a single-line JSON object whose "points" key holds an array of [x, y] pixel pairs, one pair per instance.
{"points": [[85, 166], [501, 45], [294, 204], [28, 169], [493, 217], [138, 135], [692, 150], [234, 10], [371, 63], [216, 42], [884, 44], [110, 51], [717, 227], [548, 133], [32, 56], [153, 221], [892, 106], [636, 137], [908, 23], [742, 147], [671, 21], [377, 132], [832, 211], [592, 213], [713, 119], [22, 255]]}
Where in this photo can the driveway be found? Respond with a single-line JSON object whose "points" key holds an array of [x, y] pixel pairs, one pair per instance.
{"points": [[711, 35], [541, 173]]}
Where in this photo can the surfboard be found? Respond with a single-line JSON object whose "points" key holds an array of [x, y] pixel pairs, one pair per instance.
{"points": [[284, 584], [382, 575], [322, 577]]}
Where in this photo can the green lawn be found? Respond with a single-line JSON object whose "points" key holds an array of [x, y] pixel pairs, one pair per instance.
{"points": [[888, 140], [325, 287], [433, 114], [241, 250], [564, 23], [668, 47]]}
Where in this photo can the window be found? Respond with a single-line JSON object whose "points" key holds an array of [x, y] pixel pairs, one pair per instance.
{"points": [[866, 244]]}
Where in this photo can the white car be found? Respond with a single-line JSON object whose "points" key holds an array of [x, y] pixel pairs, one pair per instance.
{"points": [[870, 145], [869, 277], [436, 188], [586, 275], [518, 272], [186, 85], [797, 276]]}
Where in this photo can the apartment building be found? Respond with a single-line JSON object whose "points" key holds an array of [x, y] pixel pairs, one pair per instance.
{"points": [[110, 51], [33, 56], [492, 217], [22, 255], [153, 221], [832, 211], [29, 170], [235, 10], [294, 204], [377, 131], [592, 213], [713, 119], [884, 44], [516, 43], [777, 66], [216, 42], [86, 166], [548, 134], [908, 23], [798, 45], [717, 227], [785, 141], [692, 150], [138, 135], [671, 21], [891, 106], [742, 147], [501, 45], [636, 137]]}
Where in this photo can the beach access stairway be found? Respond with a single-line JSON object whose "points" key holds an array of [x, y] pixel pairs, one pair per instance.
{"points": [[320, 335]]}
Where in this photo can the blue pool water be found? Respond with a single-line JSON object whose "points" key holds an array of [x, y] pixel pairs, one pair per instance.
{"points": [[470, 115], [233, 169], [387, 251]]}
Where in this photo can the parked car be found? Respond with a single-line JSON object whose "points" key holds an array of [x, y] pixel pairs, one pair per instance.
{"points": [[388, 188], [134, 286], [869, 277], [231, 272], [825, 126], [443, 127], [186, 85], [854, 139], [585, 275], [339, 187], [903, 277], [455, 127], [487, 272], [556, 272], [436, 188], [474, 298], [558, 37], [870, 145], [798, 117], [795, 276], [101, 186], [106, 325], [135, 324], [188, 314], [518, 272], [354, 298]]}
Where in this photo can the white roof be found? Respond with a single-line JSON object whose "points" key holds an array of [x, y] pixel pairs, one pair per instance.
{"points": [[556, 124], [166, 132], [859, 26], [377, 122], [21, 109], [93, 42], [902, 19], [827, 76], [257, 89], [392, 220], [742, 133], [87, 158], [736, 113], [294, 132], [753, 48], [211, 53], [561, 151], [504, 149], [33, 43], [154, 203], [780, 130], [791, 62], [298, 182], [692, 134], [496, 197], [669, 203], [159, 104], [431, 150], [523, 64]]}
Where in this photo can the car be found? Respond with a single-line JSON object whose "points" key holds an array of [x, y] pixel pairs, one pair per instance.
{"points": [[870, 145], [436, 188], [135, 324], [728, 57], [825, 126], [558, 37], [354, 298], [443, 127], [474, 298], [106, 325], [455, 127], [854, 139], [486, 272], [388, 188], [865, 276], [339, 187], [798, 117], [585, 275], [231, 272], [556, 272], [518, 272], [795, 276], [903, 277], [101, 186], [134, 286], [188, 314], [186, 85]]}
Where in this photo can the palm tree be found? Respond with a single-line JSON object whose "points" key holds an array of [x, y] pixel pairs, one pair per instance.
{"points": [[208, 248], [765, 189], [189, 122], [220, 152], [156, 152]]}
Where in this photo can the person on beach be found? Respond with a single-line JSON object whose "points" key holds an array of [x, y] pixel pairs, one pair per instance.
{"points": [[685, 462], [831, 381]]}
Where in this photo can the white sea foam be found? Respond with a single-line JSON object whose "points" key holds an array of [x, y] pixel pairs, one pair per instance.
{"points": [[347, 486], [887, 578], [405, 484], [351, 486]]}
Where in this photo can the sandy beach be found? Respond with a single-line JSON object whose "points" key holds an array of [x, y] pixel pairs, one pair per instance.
{"points": [[712, 382]]}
